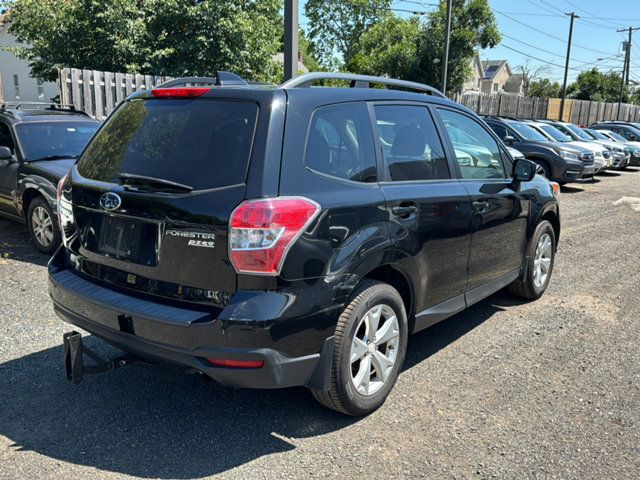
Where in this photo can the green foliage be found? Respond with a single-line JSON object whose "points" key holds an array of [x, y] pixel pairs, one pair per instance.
{"points": [[336, 26], [595, 85], [544, 88], [413, 49], [388, 48], [160, 37]]}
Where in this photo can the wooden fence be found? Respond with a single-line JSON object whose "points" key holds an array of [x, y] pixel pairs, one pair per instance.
{"points": [[99, 93], [580, 112]]}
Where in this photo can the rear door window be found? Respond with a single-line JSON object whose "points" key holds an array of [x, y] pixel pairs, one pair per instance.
{"points": [[201, 143], [410, 144], [340, 143]]}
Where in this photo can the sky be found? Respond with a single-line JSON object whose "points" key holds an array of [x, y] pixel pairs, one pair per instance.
{"points": [[529, 27]]}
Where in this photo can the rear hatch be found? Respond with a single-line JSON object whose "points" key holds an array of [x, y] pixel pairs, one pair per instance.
{"points": [[153, 192]]}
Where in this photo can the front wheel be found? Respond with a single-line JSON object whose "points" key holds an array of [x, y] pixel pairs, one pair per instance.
{"points": [[369, 349], [541, 252], [43, 226]]}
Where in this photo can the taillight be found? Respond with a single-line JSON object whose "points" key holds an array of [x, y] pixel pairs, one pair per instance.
{"points": [[59, 195], [180, 92], [262, 231]]}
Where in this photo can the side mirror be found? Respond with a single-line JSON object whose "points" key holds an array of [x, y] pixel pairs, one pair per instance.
{"points": [[5, 153], [509, 140], [524, 170]]}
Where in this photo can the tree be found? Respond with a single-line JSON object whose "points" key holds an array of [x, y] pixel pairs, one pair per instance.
{"points": [[531, 73], [595, 85], [389, 48], [473, 26], [413, 49], [160, 37], [336, 26], [544, 88]]}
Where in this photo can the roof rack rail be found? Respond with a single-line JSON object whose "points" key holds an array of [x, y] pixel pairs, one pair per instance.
{"points": [[25, 106], [222, 79], [359, 81]]}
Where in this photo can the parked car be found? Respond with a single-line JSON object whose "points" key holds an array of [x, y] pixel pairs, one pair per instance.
{"points": [[634, 147], [630, 131], [272, 237], [38, 145], [580, 138], [560, 163], [620, 154], [554, 135]]}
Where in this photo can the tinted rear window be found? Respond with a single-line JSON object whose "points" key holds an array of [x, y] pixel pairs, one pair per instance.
{"points": [[197, 142]]}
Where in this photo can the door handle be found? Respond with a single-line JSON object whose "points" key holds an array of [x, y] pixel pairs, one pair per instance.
{"points": [[404, 211], [481, 206]]}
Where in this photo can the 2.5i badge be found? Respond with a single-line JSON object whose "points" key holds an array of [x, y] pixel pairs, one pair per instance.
{"points": [[194, 239]]}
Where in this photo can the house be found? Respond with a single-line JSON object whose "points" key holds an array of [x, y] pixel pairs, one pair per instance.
{"points": [[279, 57], [515, 84], [496, 74], [16, 82], [474, 82]]}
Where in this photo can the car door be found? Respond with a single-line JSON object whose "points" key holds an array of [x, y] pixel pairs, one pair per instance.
{"points": [[429, 211], [499, 218], [8, 172]]}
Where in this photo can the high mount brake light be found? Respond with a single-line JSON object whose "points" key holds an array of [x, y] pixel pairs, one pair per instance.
{"points": [[262, 231], [186, 92]]}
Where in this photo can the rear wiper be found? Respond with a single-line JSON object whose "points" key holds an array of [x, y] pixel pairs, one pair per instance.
{"points": [[54, 157], [132, 178]]}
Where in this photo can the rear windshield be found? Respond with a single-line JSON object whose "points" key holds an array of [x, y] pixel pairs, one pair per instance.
{"points": [[201, 143], [41, 140]]}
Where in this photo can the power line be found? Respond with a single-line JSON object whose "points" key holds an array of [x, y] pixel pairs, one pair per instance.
{"points": [[588, 13], [548, 34], [541, 49]]}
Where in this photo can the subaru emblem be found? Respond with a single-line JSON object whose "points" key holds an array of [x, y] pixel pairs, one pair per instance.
{"points": [[110, 201]]}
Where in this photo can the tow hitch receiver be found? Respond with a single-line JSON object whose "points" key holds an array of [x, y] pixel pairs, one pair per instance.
{"points": [[74, 352]]}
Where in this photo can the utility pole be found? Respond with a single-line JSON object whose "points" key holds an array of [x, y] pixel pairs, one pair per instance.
{"points": [[626, 65], [291, 8], [566, 65], [447, 38]]}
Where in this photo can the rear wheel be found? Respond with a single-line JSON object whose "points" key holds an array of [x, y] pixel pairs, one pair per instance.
{"points": [[369, 349], [43, 226], [540, 257]]}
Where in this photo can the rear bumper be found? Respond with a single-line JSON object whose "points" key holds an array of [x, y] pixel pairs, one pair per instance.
{"points": [[177, 335]]}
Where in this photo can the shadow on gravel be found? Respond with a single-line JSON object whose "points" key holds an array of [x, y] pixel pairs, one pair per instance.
{"points": [[15, 244], [565, 189], [150, 421], [608, 174], [154, 421]]}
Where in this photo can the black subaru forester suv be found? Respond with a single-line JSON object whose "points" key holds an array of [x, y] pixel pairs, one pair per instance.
{"points": [[271, 237]]}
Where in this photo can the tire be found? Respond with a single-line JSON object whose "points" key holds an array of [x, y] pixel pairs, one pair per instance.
{"points": [[347, 394], [43, 226], [534, 284], [547, 170]]}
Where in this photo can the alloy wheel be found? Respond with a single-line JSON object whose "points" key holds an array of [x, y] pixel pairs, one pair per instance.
{"points": [[374, 349], [542, 261], [42, 226]]}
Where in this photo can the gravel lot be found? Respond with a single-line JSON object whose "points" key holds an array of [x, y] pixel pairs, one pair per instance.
{"points": [[549, 389]]}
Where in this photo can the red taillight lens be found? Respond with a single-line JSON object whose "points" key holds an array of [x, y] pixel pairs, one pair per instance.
{"points": [[261, 232], [219, 362], [59, 195], [180, 92]]}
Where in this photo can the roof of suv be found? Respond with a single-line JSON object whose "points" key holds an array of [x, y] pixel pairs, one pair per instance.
{"points": [[49, 114]]}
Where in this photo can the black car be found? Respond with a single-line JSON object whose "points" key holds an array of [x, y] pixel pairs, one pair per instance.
{"points": [[561, 162], [273, 237], [38, 145]]}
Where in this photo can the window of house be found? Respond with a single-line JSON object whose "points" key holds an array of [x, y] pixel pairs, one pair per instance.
{"points": [[40, 89], [410, 143], [495, 87], [16, 86]]}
